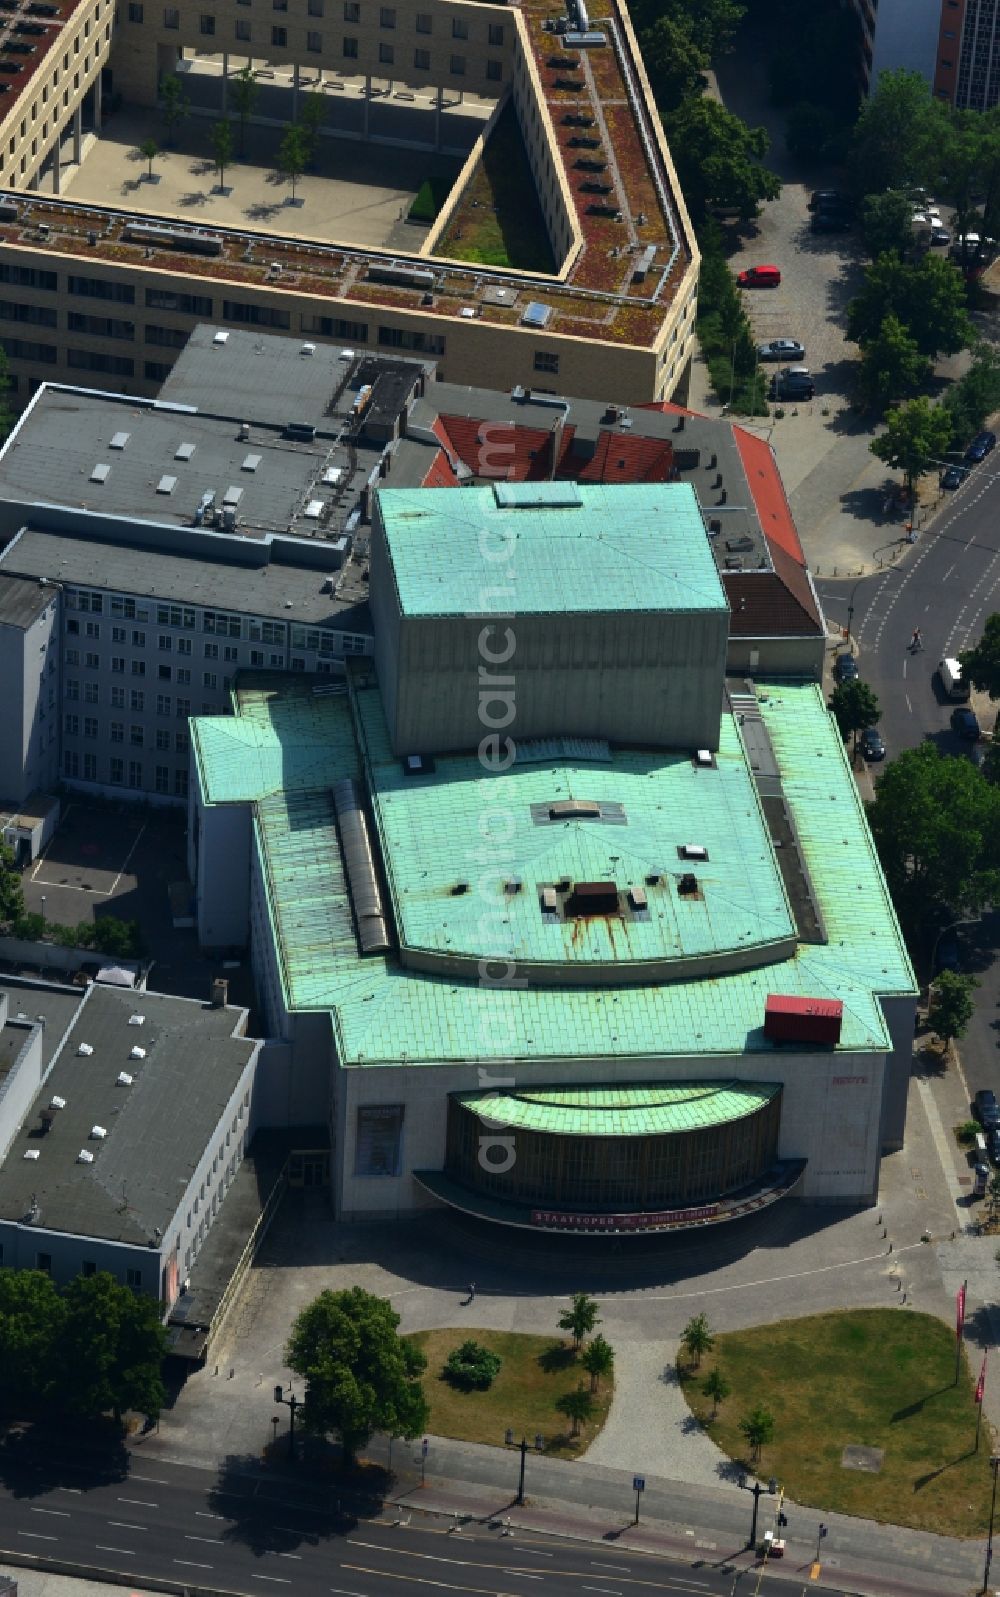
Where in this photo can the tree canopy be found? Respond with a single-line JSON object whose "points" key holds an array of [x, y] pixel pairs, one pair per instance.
{"points": [[928, 297], [11, 891], [886, 223], [697, 1338], [916, 435], [936, 824], [719, 159], [855, 707], [758, 1429], [981, 664], [361, 1376], [675, 65], [31, 1319], [891, 365], [709, 24], [580, 1318], [951, 1004], [898, 134]]}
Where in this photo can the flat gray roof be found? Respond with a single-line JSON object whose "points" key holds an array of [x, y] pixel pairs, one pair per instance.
{"points": [[34, 1001], [271, 588], [21, 601], [157, 1129]]}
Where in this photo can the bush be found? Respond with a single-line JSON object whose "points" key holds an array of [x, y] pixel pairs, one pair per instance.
{"points": [[472, 1367], [429, 199], [30, 927], [724, 330], [967, 1132]]}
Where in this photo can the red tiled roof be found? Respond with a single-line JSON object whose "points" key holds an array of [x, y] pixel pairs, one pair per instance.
{"points": [[620, 457], [765, 604], [768, 492], [502, 449]]}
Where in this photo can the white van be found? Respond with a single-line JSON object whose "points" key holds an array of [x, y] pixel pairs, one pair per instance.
{"points": [[950, 677]]}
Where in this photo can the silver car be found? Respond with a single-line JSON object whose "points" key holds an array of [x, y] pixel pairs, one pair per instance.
{"points": [[781, 349]]}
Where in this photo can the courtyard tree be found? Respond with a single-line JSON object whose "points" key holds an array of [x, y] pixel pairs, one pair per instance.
{"points": [[577, 1406], [855, 708], [709, 24], [717, 1388], [976, 394], [697, 1339], [916, 436], [758, 1430], [580, 1318], [222, 147], [936, 825], [898, 135], [360, 1375], [981, 664], [675, 64], [928, 297], [598, 1359], [175, 105], [110, 1349], [31, 1319], [886, 223], [149, 150], [243, 92], [951, 1005], [312, 117], [11, 891], [293, 154], [719, 159], [891, 365]]}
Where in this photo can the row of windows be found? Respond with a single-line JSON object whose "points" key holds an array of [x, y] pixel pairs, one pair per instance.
{"points": [[136, 732], [88, 1267], [387, 18], [223, 623], [124, 773]]}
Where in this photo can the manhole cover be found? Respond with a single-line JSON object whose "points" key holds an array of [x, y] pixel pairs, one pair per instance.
{"points": [[866, 1458], [965, 1181]]}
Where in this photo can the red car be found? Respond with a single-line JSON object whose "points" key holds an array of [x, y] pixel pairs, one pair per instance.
{"points": [[759, 277]]}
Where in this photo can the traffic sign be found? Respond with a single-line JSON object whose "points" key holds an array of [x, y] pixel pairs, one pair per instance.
{"points": [[638, 1483]]}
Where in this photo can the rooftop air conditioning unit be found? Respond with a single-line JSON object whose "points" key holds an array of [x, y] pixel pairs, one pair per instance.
{"points": [[98, 1133], [123, 1079], [84, 1157], [84, 1050]]}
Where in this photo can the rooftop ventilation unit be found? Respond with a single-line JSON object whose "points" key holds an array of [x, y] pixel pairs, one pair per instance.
{"points": [[637, 898], [308, 349], [173, 238], [84, 1157], [535, 314], [513, 885], [119, 440], [575, 810], [100, 473], [302, 432], [123, 1079], [98, 1133], [184, 451], [84, 1050], [687, 885], [55, 1102], [402, 276], [251, 462], [703, 757], [137, 1020], [692, 851], [220, 337], [313, 510], [549, 901], [332, 476], [31, 1153], [136, 1052], [593, 898], [166, 485]]}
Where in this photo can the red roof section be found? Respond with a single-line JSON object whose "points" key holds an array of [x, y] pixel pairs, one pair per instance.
{"points": [[768, 492]]}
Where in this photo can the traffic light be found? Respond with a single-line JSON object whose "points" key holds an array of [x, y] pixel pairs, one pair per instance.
{"points": [[782, 1520]]}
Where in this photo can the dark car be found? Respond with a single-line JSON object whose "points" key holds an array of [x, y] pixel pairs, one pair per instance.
{"points": [[953, 477], [965, 722], [993, 1144], [986, 1109], [781, 349], [845, 668], [940, 236], [948, 955], [830, 200], [980, 447], [793, 382], [871, 745], [832, 221]]}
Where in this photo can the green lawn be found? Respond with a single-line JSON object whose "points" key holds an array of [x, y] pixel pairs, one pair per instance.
{"points": [[536, 1370], [498, 221], [879, 1378]]}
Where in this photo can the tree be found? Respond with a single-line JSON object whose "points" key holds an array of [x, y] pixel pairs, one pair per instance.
{"points": [[11, 891], [891, 365], [243, 91], [710, 24], [222, 147], [916, 435], [981, 664], [472, 1367], [717, 1388], [898, 134], [758, 1429], [361, 1376], [175, 106], [149, 150], [697, 1339], [580, 1318], [951, 1006], [598, 1359], [31, 1319], [719, 159], [936, 825], [577, 1406], [928, 297], [675, 65], [110, 1350], [293, 154], [976, 394], [886, 223], [855, 707], [312, 118]]}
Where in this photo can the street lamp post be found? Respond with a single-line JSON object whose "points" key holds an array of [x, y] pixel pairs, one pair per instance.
{"points": [[523, 1445], [758, 1492], [995, 1466], [291, 1402]]}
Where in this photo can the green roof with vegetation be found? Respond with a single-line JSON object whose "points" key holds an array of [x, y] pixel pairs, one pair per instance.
{"points": [[537, 548], [384, 1014], [622, 1111]]}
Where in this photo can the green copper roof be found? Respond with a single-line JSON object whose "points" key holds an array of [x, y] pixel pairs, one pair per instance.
{"points": [[284, 740], [536, 548], [656, 802], [622, 1111]]}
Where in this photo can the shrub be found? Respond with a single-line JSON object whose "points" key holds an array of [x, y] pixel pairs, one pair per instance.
{"points": [[472, 1367], [30, 926]]}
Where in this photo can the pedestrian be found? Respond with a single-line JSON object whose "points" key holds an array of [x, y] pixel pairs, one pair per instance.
{"points": [[472, 1291], [916, 642]]}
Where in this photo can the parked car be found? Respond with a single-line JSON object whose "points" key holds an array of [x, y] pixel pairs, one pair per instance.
{"points": [[980, 447], [948, 956], [871, 745], [952, 477], [965, 722], [793, 382], [845, 668], [830, 199], [781, 349], [940, 235], [986, 1109], [759, 277], [832, 221], [993, 1144]]}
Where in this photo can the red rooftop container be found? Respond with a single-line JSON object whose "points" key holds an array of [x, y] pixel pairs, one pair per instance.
{"points": [[809, 1020]]}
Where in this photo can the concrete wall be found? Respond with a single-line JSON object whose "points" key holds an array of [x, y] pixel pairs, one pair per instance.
{"points": [[796, 657], [222, 883], [900, 1016], [906, 35], [21, 1244], [29, 706], [22, 1081], [649, 678]]}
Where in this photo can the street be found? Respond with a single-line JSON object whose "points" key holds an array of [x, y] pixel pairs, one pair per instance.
{"points": [[246, 1535]]}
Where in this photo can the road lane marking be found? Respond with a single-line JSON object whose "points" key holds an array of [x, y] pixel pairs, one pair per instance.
{"points": [[341, 1591], [420, 1580], [947, 573], [187, 1564], [76, 1490], [200, 1513], [621, 1569], [215, 1541], [534, 1551], [291, 1555], [278, 1578], [123, 1524], [36, 1536], [909, 706], [137, 1502], [608, 1591], [151, 1480], [62, 1513], [126, 1552]]}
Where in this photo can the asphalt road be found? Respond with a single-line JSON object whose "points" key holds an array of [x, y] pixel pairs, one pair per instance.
{"points": [[242, 1534]]}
